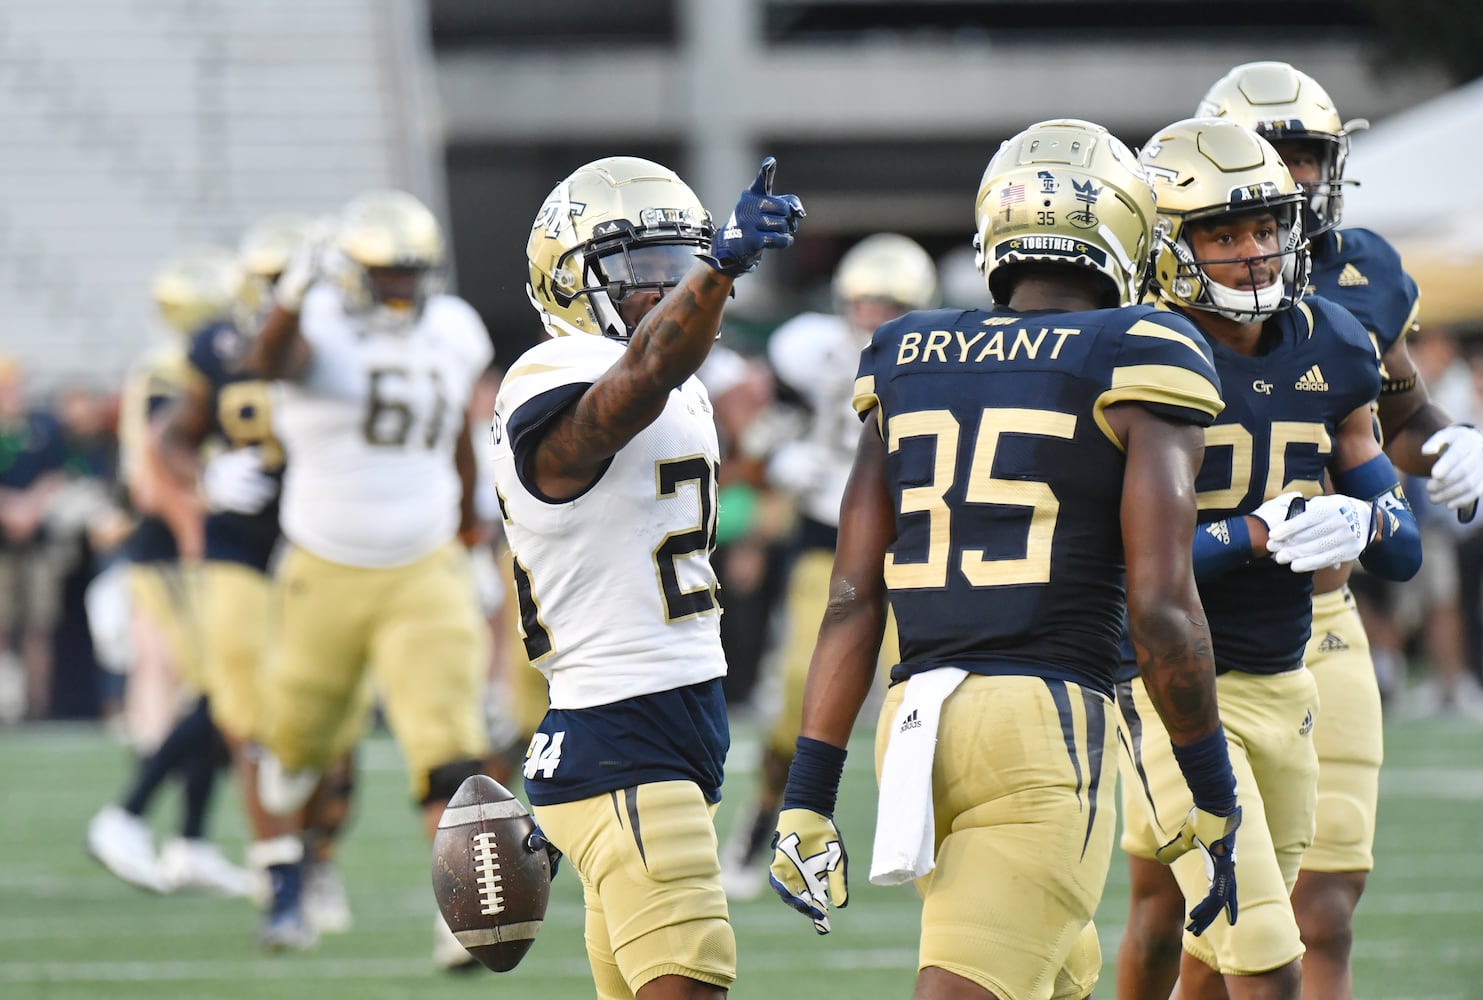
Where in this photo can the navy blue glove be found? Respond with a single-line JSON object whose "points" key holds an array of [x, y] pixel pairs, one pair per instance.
{"points": [[760, 221], [1215, 838], [537, 841]]}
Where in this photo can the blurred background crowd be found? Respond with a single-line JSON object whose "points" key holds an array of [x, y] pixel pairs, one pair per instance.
{"points": [[135, 128]]}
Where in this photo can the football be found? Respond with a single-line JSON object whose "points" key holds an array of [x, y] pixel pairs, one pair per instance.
{"points": [[491, 886]]}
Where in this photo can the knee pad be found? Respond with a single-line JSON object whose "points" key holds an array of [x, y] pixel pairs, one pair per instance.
{"points": [[443, 781]]}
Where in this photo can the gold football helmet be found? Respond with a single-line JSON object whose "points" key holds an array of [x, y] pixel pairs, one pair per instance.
{"points": [[615, 226], [197, 287], [391, 245], [264, 251], [890, 267], [1284, 104], [1203, 168], [1066, 192]]}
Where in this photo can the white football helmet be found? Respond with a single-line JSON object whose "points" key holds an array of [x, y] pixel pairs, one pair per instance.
{"points": [[887, 266]]}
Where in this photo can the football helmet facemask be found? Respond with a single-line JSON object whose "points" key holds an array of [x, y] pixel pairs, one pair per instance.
{"points": [[391, 245], [197, 287], [1067, 192], [1204, 169], [1284, 104], [616, 226]]}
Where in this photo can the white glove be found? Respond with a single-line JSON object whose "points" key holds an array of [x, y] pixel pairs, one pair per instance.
{"points": [[304, 268], [798, 467], [235, 481], [1457, 477], [1332, 531], [1274, 511]]}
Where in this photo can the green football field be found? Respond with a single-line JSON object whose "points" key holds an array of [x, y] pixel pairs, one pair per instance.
{"points": [[69, 930]]}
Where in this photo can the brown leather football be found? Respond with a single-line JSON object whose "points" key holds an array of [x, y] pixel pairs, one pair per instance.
{"points": [[491, 886]]}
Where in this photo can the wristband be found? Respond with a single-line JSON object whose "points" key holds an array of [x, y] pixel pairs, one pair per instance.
{"points": [[813, 779], [1206, 766]]}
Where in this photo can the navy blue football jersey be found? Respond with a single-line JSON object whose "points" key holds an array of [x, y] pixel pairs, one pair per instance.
{"points": [[1007, 479], [1275, 435], [241, 417], [1362, 272]]}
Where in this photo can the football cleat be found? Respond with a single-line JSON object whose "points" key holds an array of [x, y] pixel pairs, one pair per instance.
{"points": [[326, 907], [123, 843], [199, 864], [447, 952]]}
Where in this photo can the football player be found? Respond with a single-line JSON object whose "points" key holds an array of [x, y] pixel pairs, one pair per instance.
{"points": [[1299, 375], [227, 407], [605, 463], [379, 369], [1362, 272], [197, 289], [813, 357], [1008, 460]]}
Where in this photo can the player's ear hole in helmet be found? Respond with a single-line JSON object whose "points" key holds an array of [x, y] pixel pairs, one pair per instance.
{"points": [[608, 242], [1065, 193], [1230, 229]]}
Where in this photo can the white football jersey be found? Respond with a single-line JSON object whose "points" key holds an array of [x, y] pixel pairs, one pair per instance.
{"points": [[817, 355], [370, 431], [617, 594]]}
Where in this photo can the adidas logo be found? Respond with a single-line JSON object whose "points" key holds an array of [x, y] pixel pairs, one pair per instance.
{"points": [[1332, 643], [1307, 726], [1351, 278], [911, 721], [1311, 381], [1219, 531]]}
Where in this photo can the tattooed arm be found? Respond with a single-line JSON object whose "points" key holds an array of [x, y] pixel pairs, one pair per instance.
{"points": [[667, 347], [844, 661], [1165, 618]]}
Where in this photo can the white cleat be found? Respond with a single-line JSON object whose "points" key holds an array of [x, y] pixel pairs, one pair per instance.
{"points": [[123, 843], [326, 907], [447, 952], [199, 864], [743, 882]]}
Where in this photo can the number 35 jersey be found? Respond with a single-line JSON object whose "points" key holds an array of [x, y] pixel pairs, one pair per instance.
{"points": [[371, 428], [617, 594], [1007, 479]]}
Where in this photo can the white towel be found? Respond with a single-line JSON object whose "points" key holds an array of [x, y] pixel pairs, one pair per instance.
{"points": [[904, 822]]}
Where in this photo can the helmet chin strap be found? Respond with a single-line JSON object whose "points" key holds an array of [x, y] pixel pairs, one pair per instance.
{"points": [[1245, 306]]}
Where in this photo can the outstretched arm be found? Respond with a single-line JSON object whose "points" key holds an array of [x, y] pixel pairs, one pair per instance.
{"points": [[668, 346]]}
